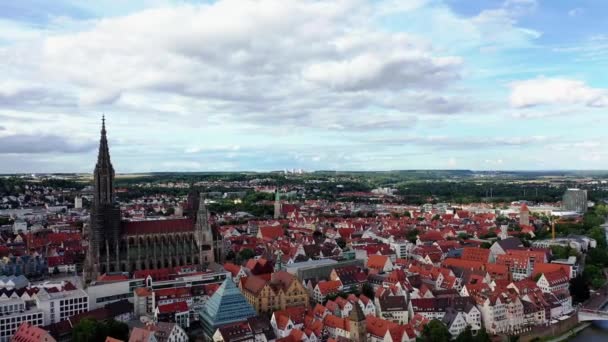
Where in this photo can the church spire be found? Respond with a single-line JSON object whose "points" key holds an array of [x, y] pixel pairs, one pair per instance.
{"points": [[104, 171]]}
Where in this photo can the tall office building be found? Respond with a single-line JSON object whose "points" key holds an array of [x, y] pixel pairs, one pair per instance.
{"points": [[575, 200]]}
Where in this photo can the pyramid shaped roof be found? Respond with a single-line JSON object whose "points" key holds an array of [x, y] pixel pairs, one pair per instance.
{"points": [[227, 305]]}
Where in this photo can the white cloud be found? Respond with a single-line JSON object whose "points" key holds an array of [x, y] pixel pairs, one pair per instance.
{"points": [[238, 72], [466, 142], [553, 91], [381, 70]]}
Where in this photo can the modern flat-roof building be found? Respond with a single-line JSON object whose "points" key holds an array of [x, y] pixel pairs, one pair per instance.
{"points": [[60, 305], [575, 200], [14, 312]]}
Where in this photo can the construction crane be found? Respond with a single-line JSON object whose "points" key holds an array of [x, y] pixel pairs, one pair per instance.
{"points": [[552, 227]]}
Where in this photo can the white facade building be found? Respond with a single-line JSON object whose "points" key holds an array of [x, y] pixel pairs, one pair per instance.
{"points": [[58, 306]]}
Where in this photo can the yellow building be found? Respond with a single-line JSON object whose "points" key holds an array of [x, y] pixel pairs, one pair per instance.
{"points": [[281, 291]]}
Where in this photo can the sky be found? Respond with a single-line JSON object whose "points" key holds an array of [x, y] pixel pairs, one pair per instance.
{"points": [[260, 85]]}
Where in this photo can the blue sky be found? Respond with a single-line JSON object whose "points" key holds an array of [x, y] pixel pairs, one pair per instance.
{"points": [[272, 84]]}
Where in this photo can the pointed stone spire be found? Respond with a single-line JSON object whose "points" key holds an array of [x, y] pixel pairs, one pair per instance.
{"points": [[202, 214], [104, 171], [277, 204]]}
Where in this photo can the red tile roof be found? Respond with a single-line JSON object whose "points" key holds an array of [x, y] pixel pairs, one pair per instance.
{"points": [[157, 226], [112, 277], [546, 268], [271, 232], [475, 254], [377, 262], [30, 333], [173, 307], [326, 287], [558, 277]]}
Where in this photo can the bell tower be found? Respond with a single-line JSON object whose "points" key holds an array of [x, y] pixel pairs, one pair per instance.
{"points": [[356, 321], [204, 234], [103, 253]]}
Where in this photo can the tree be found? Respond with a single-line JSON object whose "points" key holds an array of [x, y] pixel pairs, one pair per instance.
{"points": [[560, 252], [598, 257], [579, 289], [367, 290], [486, 245], [463, 236], [599, 235], [118, 330], [89, 330], [466, 335], [482, 336], [246, 254], [85, 331], [435, 331], [594, 275], [407, 214], [412, 235]]}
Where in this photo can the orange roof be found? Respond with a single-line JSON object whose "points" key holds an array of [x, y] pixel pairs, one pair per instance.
{"points": [[271, 232], [377, 261], [173, 307], [496, 269], [112, 339], [140, 335], [31, 333], [142, 292], [475, 254], [539, 255], [556, 278], [466, 264], [330, 286], [336, 322], [547, 268], [253, 284], [520, 261], [112, 277], [378, 326]]}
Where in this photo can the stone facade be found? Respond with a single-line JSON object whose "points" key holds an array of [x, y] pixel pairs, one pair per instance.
{"points": [[128, 246]]}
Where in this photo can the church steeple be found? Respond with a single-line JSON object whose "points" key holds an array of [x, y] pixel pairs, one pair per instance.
{"points": [[104, 172]]}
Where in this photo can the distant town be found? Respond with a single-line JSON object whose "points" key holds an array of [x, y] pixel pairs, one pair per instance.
{"points": [[300, 256]]}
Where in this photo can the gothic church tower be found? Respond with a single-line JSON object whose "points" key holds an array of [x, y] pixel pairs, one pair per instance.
{"points": [[103, 254]]}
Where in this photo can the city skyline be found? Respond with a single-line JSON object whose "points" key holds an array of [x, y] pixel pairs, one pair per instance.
{"points": [[334, 85]]}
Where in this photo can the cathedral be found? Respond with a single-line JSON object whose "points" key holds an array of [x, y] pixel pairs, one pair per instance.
{"points": [[117, 245]]}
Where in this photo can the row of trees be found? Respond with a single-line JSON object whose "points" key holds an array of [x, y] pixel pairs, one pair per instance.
{"points": [[436, 331], [89, 330]]}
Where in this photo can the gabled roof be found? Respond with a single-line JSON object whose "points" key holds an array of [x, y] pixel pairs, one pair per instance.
{"points": [[271, 232], [330, 286], [173, 307], [157, 226], [31, 333], [377, 261], [510, 243], [253, 284], [558, 277], [140, 335]]}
